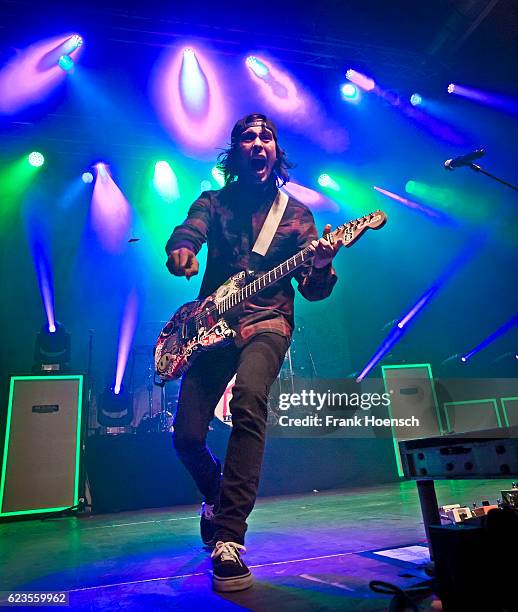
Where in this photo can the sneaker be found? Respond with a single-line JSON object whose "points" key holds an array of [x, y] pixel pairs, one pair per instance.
{"points": [[229, 573], [207, 527]]}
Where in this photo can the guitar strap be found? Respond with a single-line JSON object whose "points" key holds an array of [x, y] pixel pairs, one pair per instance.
{"points": [[271, 223]]}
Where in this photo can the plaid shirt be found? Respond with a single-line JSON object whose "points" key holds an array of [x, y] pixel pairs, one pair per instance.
{"points": [[229, 221]]}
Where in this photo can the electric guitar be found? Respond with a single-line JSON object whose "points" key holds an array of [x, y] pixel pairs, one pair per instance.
{"points": [[202, 324]]}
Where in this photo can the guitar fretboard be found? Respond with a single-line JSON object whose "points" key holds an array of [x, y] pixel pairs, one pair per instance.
{"points": [[266, 279], [351, 231]]}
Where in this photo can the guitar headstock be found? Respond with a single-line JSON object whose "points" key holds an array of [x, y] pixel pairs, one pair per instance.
{"points": [[350, 232]]}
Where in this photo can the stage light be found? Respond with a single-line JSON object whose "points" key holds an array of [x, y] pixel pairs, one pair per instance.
{"points": [[115, 407], [503, 329], [52, 349], [110, 212], [451, 87], [397, 332], [127, 331], [32, 73], [187, 90], [324, 180], [193, 83], [257, 66], [71, 45], [102, 170], [416, 99], [463, 359], [446, 198], [350, 92], [36, 159], [87, 177], [426, 210], [313, 199], [364, 82], [165, 181], [66, 63], [276, 85], [217, 175]]}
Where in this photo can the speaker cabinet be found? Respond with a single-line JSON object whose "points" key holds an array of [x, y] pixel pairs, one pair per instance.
{"points": [[412, 394], [40, 467], [510, 410], [472, 415]]}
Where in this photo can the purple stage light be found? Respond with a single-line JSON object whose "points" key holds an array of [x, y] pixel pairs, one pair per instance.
{"points": [[127, 331], [44, 275], [313, 199], [451, 88], [189, 99], [38, 240], [194, 88], [277, 87], [32, 74], [300, 109], [425, 210], [364, 82], [501, 102], [72, 44], [110, 212], [491, 338], [257, 66]]}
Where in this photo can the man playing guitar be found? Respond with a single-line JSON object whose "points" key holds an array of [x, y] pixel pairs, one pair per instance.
{"points": [[229, 220]]}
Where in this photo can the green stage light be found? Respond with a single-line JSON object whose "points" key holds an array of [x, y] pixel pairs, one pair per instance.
{"points": [[36, 159], [66, 63]]}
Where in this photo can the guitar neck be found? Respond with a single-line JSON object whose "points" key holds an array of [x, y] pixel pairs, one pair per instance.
{"points": [[348, 233], [265, 280]]}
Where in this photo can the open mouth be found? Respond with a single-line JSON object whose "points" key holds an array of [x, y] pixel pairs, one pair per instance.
{"points": [[258, 163]]}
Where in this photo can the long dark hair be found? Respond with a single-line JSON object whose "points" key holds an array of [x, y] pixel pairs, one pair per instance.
{"points": [[227, 164]]}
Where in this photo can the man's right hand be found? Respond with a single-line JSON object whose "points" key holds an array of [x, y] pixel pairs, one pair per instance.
{"points": [[182, 262]]}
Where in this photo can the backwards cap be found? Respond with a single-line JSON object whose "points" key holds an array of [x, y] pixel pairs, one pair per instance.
{"points": [[253, 120]]}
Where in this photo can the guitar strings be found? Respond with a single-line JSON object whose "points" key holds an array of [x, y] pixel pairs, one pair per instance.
{"points": [[199, 318]]}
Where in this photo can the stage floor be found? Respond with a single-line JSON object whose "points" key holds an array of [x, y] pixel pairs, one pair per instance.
{"points": [[307, 552]]}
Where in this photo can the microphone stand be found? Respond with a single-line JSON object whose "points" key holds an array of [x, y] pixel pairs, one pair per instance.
{"points": [[477, 168], [85, 504]]}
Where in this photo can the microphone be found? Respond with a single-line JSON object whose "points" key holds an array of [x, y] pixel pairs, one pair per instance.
{"points": [[464, 160]]}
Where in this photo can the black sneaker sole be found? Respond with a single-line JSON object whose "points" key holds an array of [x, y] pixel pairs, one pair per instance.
{"points": [[226, 585]]}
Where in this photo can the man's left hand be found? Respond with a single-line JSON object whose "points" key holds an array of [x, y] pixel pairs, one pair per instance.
{"points": [[324, 250]]}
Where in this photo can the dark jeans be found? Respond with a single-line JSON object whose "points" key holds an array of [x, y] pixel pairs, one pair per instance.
{"points": [[257, 365]]}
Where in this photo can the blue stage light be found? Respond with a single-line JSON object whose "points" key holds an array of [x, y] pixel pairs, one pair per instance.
{"points": [[349, 91], [66, 63], [416, 99]]}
